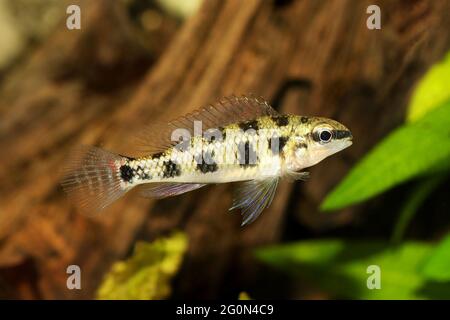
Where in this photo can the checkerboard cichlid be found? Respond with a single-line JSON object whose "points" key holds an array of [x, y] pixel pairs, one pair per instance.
{"points": [[239, 139]]}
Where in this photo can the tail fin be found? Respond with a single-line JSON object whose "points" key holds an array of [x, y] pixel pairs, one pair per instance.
{"points": [[92, 179]]}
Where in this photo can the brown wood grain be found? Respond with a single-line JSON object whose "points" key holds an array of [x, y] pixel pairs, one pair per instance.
{"points": [[95, 86]]}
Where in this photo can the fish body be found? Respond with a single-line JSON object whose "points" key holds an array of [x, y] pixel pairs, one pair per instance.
{"points": [[240, 139]]}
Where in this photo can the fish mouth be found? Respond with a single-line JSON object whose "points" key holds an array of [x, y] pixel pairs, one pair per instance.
{"points": [[347, 139], [348, 143]]}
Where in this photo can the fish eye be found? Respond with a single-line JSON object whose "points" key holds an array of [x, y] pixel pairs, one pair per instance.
{"points": [[325, 135]]}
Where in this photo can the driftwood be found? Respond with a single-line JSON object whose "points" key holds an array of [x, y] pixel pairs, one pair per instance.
{"points": [[92, 86]]}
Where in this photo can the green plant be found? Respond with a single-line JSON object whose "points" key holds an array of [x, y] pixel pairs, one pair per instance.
{"points": [[420, 147], [147, 273], [418, 150], [413, 150], [414, 270]]}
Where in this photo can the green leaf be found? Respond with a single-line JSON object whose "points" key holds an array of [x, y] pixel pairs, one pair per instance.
{"points": [[409, 151], [341, 267], [432, 90], [437, 267], [415, 200], [147, 274]]}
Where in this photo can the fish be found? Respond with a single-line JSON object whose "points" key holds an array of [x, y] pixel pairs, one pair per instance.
{"points": [[239, 139]]}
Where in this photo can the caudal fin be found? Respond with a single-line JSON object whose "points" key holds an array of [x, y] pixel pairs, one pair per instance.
{"points": [[92, 179]]}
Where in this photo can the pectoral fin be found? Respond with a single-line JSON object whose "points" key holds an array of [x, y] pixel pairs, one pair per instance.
{"points": [[298, 176], [253, 196]]}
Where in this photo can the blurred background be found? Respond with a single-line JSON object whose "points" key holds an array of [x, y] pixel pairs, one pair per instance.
{"points": [[383, 202]]}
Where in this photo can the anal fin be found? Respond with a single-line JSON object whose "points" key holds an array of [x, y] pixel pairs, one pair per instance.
{"points": [[167, 189], [253, 196]]}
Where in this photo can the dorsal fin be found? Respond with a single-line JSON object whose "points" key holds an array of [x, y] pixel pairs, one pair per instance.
{"points": [[157, 137]]}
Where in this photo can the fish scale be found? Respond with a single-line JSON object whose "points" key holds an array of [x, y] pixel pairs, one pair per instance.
{"points": [[228, 158]]}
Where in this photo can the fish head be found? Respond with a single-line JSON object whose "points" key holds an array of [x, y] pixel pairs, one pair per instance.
{"points": [[317, 138]]}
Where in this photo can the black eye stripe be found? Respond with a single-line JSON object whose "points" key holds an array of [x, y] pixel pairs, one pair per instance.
{"points": [[337, 134], [315, 136], [341, 134]]}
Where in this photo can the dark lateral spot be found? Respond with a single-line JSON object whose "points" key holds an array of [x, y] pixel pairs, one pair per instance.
{"points": [[302, 145], [126, 173], [205, 168], [341, 134], [281, 121], [247, 155], [281, 143], [304, 119], [252, 124], [171, 169], [208, 164]]}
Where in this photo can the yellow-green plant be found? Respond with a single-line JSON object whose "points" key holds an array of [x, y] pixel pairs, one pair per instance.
{"points": [[419, 149], [147, 273], [413, 270]]}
